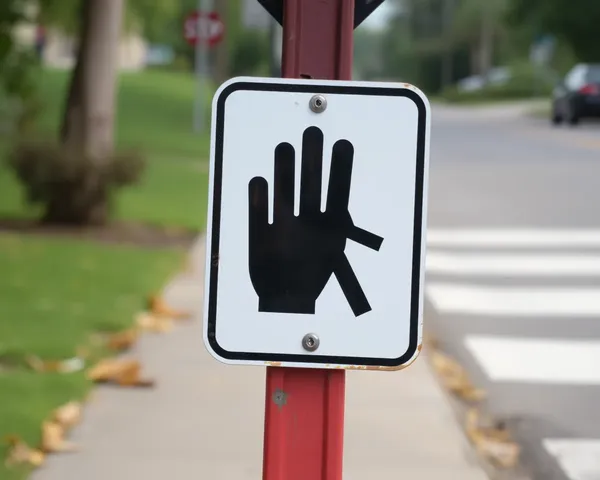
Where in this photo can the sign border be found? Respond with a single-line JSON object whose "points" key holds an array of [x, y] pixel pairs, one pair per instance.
{"points": [[362, 9], [214, 220]]}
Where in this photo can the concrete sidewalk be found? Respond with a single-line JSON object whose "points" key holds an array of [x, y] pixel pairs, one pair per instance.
{"points": [[204, 420]]}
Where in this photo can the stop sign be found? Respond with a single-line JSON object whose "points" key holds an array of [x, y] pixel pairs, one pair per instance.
{"points": [[203, 27]]}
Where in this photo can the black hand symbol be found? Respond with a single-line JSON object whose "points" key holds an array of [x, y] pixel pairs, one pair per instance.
{"points": [[292, 260]]}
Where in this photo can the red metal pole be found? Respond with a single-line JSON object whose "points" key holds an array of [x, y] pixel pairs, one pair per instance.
{"points": [[304, 408]]}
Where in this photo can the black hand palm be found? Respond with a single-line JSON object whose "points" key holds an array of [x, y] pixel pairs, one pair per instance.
{"points": [[292, 260]]}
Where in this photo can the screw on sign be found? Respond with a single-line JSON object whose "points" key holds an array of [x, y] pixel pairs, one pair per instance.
{"points": [[205, 27]]}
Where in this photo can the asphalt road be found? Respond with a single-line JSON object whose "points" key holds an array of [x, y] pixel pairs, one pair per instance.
{"points": [[513, 276]]}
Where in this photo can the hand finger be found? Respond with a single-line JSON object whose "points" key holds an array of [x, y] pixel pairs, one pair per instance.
{"points": [[258, 205], [340, 178], [284, 181], [350, 286], [312, 170], [365, 238]]}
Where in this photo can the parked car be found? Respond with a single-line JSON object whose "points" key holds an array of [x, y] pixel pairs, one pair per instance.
{"points": [[577, 96]]}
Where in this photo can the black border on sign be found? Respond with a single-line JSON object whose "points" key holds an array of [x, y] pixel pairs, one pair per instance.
{"points": [[216, 224]]}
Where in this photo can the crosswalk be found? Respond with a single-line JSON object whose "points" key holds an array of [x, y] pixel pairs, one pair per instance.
{"points": [[532, 276]]}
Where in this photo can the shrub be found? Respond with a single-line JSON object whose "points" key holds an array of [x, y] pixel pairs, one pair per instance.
{"points": [[71, 188]]}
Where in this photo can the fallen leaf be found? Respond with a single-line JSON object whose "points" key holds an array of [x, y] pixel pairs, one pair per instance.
{"points": [[20, 453], [455, 378], [53, 438], [124, 372], [153, 323], [69, 365], [491, 442], [159, 307], [68, 415], [123, 340]]}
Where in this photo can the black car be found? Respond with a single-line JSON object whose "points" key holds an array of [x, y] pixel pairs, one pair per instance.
{"points": [[577, 96]]}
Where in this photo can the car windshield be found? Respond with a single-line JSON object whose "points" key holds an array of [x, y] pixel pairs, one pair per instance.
{"points": [[593, 75]]}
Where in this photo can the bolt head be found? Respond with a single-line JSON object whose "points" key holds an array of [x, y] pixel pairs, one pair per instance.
{"points": [[310, 342], [318, 103]]}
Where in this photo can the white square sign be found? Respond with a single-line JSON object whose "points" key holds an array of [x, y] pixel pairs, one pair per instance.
{"points": [[316, 223]]}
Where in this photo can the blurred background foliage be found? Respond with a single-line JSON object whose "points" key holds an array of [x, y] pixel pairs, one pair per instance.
{"points": [[432, 43]]}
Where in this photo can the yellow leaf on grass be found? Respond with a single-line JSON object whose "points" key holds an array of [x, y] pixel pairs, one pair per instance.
{"points": [[20, 453], [159, 307], [124, 372]]}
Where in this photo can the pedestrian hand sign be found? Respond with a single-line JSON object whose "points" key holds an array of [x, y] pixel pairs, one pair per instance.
{"points": [[292, 259], [316, 230]]}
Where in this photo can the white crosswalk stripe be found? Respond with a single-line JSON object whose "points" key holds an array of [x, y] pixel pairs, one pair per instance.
{"points": [[514, 359], [579, 458], [512, 237], [473, 299], [532, 275], [512, 265]]}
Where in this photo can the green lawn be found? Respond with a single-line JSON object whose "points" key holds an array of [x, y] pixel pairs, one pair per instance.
{"points": [[56, 292], [155, 115]]}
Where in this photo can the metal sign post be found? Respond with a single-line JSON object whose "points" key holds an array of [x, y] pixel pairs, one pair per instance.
{"points": [[203, 29], [304, 408], [315, 234], [201, 69]]}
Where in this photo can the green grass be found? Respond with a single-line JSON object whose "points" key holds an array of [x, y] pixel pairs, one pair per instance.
{"points": [[55, 292], [155, 112]]}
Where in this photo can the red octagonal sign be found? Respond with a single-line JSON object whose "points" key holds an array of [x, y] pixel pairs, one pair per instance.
{"points": [[203, 26]]}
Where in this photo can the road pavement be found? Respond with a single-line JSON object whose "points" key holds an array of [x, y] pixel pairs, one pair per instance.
{"points": [[513, 276]]}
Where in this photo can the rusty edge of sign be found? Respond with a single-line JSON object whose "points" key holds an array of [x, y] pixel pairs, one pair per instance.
{"points": [[328, 366]]}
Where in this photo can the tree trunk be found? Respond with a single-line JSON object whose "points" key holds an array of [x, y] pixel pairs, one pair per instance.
{"points": [[87, 129], [71, 134], [88, 122], [100, 64]]}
